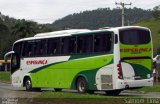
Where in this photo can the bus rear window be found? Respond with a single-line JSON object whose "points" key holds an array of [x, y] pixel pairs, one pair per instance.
{"points": [[134, 36]]}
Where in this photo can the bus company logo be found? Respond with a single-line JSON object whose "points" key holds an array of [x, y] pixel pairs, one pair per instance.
{"points": [[138, 50], [36, 62]]}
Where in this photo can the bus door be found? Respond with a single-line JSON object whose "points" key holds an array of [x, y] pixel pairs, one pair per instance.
{"points": [[15, 62]]}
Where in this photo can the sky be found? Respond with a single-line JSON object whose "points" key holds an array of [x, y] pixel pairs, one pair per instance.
{"points": [[47, 11]]}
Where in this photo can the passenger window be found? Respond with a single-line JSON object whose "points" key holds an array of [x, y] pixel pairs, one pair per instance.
{"points": [[40, 47], [85, 44], [28, 49], [65, 45], [72, 45], [102, 42], [18, 48], [53, 46]]}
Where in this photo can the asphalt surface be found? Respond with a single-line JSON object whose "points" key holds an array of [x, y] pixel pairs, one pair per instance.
{"points": [[7, 91]]}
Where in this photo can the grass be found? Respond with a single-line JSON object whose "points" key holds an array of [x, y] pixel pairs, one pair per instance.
{"points": [[5, 76], [69, 95], [76, 98], [154, 88], [79, 101]]}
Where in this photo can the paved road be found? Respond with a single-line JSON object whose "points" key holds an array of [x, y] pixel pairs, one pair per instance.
{"points": [[6, 91]]}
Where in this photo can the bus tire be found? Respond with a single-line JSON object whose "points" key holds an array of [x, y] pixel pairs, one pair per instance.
{"points": [[113, 92], [57, 89], [36, 89], [90, 91], [28, 84], [81, 85]]}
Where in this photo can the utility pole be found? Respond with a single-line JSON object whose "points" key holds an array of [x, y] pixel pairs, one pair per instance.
{"points": [[123, 5]]}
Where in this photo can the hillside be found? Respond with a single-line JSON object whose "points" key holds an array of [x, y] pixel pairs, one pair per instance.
{"points": [[102, 17], [154, 25], [12, 29]]}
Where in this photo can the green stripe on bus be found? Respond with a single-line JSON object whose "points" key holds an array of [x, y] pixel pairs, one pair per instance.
{"points": [[61, 75]]}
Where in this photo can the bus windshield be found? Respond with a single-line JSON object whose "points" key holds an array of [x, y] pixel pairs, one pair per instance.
{"points": [[135, 36]]}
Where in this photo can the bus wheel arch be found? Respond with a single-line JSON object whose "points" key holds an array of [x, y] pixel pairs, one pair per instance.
{"points": [[27, 83], [24, 80], [81, 84]]}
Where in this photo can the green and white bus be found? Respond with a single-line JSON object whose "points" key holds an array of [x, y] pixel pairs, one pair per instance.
{"points": [[109, 60]]}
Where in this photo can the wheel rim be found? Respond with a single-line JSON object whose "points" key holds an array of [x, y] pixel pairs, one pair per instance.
{"points": [[81, 86], [28, 84]]}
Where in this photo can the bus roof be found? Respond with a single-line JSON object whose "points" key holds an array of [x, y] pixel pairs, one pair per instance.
{"points": [[55, 34], [72, 31], [60, 34], [124, 27]]}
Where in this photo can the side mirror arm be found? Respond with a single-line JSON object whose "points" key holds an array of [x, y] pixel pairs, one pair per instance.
{"points": [[7, 54]]}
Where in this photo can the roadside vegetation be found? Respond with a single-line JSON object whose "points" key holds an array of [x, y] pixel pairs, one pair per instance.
{"points": [[72, 98], [154, 88], [12, 29], [70, 95], [5, 76]]}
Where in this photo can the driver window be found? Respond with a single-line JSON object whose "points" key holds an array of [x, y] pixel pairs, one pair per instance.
{"points": [[15, 63]]}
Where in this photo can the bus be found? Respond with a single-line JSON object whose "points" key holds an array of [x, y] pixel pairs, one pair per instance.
{"points": [[109, 60]]}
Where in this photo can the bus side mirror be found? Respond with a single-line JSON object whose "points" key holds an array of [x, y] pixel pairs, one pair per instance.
{"points": [[8, 55], [116, 39]]}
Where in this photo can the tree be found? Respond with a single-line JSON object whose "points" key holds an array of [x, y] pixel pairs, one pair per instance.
{"points": [[156, 12], [23, 29]]}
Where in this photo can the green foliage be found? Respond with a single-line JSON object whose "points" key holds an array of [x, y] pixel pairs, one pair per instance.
{"points": [[68, 95], [156, 12], [154, 88], [5, 76], [102, 17], [12, 29]]}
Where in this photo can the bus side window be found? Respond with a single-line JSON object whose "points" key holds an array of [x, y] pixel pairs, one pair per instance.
{"points": [[40, 48], [97, 43], [15, 62], [72, 45], [18, 48], [28, 49], [53, 46], [65, 46], [68, 45], [85, 44], [102, 42], [80, 42], [108, 42]]}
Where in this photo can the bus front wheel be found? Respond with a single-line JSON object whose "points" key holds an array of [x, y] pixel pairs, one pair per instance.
{"points": [[28, 84]]}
